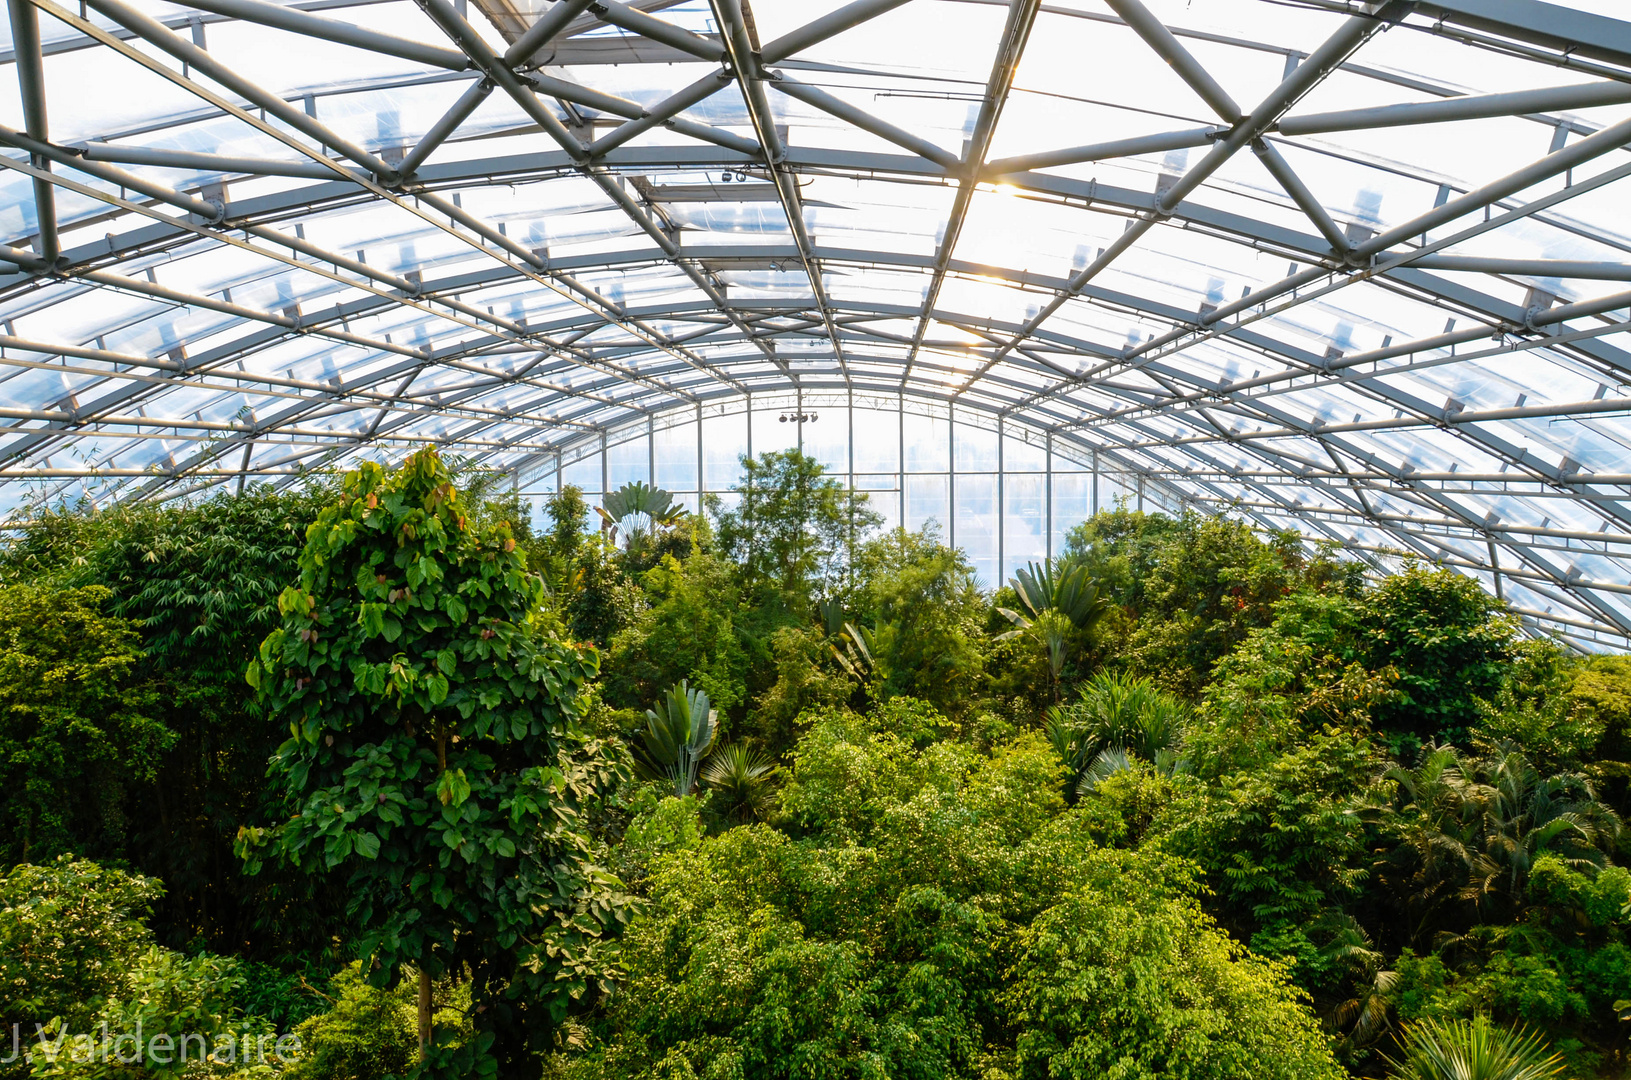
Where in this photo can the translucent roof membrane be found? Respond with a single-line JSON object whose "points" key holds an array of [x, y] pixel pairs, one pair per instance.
{"points": [[1353, 268]]}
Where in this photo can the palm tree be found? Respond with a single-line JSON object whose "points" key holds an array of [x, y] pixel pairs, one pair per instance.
{"points": [[1115, 716], [1468, 830], [1433, 814], [1060, 597], [1472, 1050], [679, 735], [742, 778], [634, 511], [1526, 814]]}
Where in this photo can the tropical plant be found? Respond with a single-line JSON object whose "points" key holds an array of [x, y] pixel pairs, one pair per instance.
{"points": [[77, 720], [632, 513], [679, 734], [793, 529], [1115, 715], [1061, 598], [741, 777], [437, 756], [921, 599], [1065, 587], [1526, 814], [1466, 831], [855, 657], [1476, 1049]]}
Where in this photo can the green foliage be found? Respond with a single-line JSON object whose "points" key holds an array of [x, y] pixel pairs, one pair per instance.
{"points": [[1278, 843], [925, 610], [1473, 1050], [370, 1032], [679, 734], [689, 632], [742, 779], [1446, 639], [1212, 582], [1125, 976], [1285, 683], [792, 529], [436, 755], [70, 932], [804, 683], [76, 721], [78, 966], [1064, 604], [199, 581], [1114, 715], [937, 918]]}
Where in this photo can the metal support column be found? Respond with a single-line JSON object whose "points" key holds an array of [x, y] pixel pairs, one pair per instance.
{"points": [[1095, 483], [951, 478], [1002, 508], [1047, 497]]}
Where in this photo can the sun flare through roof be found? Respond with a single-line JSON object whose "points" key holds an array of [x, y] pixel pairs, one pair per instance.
{"points": [[1352, 268]]}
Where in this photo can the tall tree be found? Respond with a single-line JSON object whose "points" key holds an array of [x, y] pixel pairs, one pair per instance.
{"points": [[437, 758], [793, 529]]}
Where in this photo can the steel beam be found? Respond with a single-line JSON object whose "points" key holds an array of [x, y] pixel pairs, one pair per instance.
{"points": [[1016, 33], [829, 25], [740, 52], [151, 31], [1571, 156], [1159, 38], [25, 37], [1468, 107], [834, 106], [207, 163], [439, 132], [192, 204], [638, 22], [1133, 147], [1569, 30], [326, 29], [1293, 186], [1539, 268], [543, 30]]}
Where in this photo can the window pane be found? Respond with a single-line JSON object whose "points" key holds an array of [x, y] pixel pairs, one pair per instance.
{"points": [[1072, 504], [927, 445], [724, 441], [1023, 521], [677, 457], [628, 462], [927, 499], [976, 449], [977, 523], [877, 440]]}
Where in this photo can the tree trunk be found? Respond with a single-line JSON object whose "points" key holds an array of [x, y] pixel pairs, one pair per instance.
{"points": [[424, 1013]]}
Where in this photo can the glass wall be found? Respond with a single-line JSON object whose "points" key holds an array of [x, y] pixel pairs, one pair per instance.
{"points": [[1003, 491]]}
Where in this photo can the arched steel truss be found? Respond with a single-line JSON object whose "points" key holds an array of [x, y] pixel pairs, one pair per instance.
{"points": [[518, 391]]}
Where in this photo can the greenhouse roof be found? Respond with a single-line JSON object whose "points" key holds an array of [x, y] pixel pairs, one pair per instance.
{"points": [[1353, 268]]}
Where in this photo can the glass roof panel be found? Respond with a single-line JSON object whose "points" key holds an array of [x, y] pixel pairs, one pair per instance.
{"points": [[1305, 269]]}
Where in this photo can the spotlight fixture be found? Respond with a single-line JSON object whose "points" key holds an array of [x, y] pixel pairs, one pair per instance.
{"points": [[798, 418]]}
